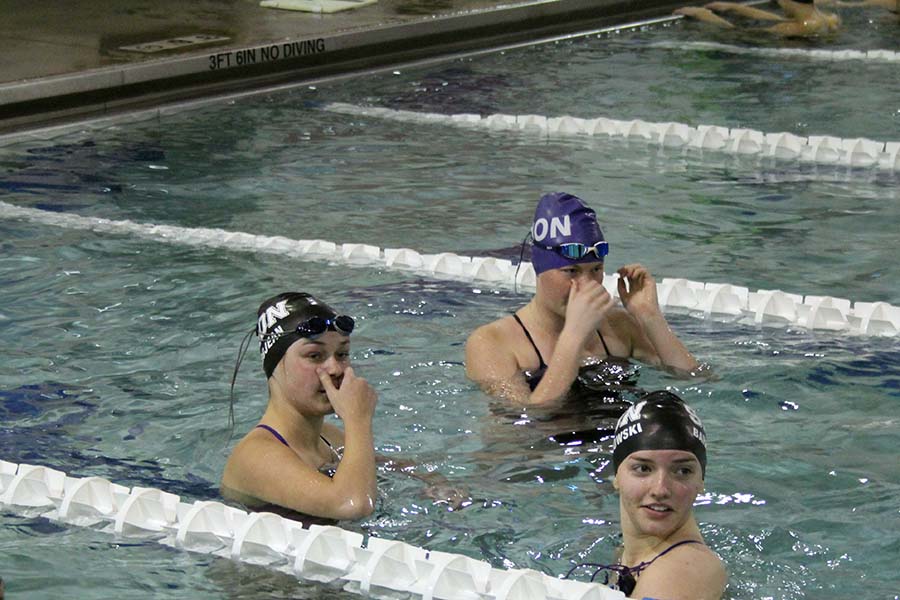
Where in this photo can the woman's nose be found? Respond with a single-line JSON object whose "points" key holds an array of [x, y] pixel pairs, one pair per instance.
{"points": [[660, 487], [334, 366]]}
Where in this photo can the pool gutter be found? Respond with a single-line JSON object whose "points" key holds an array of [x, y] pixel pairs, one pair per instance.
{"points": [[103, 91]]}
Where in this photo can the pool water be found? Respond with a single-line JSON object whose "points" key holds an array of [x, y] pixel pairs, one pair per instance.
{"points": [[118, 351]]}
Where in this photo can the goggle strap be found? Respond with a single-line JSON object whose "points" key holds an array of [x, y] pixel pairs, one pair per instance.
{"points": [[242, 352]]}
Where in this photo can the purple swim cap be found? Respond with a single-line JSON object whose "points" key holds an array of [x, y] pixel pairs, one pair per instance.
{"points": [[562, 218]]}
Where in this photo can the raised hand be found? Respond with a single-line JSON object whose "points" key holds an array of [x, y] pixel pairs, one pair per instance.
{"points": [[354, 400], [588, 304], [637, 290]]}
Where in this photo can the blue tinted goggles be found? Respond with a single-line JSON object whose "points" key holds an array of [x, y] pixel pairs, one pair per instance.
{"points": [[577, 250]]}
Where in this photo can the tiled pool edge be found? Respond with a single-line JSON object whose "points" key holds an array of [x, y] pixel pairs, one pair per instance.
{"points": [[97, 92]]}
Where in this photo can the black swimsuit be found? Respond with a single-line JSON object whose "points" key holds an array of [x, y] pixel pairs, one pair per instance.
{"points": [[598, 396], [608, 375]]}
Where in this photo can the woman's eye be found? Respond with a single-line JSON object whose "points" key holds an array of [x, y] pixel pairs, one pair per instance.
{"points": [[343, 355], [314, 356]]}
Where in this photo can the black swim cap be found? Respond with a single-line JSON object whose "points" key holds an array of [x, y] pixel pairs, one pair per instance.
{"points": [[659, 421], [278, 318]]}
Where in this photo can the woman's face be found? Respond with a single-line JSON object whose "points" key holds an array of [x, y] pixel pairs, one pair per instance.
{"points": [[297, 373], [657, 489], [553, 285]]}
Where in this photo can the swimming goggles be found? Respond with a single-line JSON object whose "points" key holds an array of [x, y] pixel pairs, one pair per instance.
{"points": [[310, 329], [577, 250], [316, 326]]}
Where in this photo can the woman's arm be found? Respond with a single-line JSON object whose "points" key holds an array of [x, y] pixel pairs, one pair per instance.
{"points": [[492, 365], [354, 402], [744, 10], [703, 14], [653, 341], [438, 487], [491, 362]]}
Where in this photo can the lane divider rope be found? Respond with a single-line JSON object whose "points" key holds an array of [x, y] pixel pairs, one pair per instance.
{"points": [[373, 567], [874, 56], [718, 301], [819, 149]]}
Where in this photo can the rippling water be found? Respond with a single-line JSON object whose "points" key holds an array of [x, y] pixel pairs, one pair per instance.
{"points": [[118, 352]]}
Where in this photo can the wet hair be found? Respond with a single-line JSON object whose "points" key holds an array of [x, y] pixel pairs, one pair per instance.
{"points": [[659, 420]]}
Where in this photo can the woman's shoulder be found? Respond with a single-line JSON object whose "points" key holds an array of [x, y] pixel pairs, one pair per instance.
{"points": [[688, 571], [256, 447], [704, 564], [495, 332]]}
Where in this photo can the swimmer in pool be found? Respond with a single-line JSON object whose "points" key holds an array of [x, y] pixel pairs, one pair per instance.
{"points": [[571, 334], [293, 459], [659, 457], [293, 463], [801, 17]]}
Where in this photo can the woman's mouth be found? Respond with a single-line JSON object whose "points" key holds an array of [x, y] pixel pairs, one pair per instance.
{"points": [[659, 509]]}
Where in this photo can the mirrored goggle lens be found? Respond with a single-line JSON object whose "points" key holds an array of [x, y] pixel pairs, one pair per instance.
{"points": [[576, 251]]}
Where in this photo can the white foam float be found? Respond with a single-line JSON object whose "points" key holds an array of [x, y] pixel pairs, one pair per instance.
{"points": [[377, 568], [827, 150], [872, 56], [704, 300]]}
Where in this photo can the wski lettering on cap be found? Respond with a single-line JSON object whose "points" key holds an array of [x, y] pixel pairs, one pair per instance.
{"points": [[659, 421]]}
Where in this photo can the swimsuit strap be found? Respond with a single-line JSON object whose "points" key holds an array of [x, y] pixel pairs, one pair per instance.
{"points": [[281, 439], [543, 365], [333, 449], [636, 570], [627, 575], [605, 347], [273, 432]]}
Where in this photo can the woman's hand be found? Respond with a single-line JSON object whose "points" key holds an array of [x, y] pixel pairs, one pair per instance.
{"points": [[354, 401], [639, 295], [587, 306]]}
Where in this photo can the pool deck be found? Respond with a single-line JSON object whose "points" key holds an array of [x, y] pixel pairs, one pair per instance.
{"points": [[63, 61]]}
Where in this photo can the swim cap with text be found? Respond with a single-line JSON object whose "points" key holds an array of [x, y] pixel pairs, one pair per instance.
{"points": [[562, 218], [659, 421], [277, 320]]}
